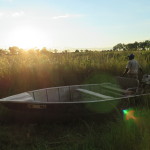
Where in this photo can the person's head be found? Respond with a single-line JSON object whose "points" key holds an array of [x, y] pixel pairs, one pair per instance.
{"points": [[131, 56]]}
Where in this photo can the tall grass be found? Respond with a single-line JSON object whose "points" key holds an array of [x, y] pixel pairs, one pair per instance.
{"points": [[33, 70]]}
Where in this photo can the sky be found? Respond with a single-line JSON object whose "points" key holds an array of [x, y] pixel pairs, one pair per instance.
{"points": [[65, 24]]}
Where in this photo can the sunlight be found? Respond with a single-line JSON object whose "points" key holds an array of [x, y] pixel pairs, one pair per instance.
{"points": [[29, 37]]}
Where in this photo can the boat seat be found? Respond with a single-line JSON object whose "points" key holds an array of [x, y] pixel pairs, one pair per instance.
{"points": [[94, 94]]}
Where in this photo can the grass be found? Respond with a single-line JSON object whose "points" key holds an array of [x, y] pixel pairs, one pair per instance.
{"points": [[54, 69], [111, 134], [108, 131]]}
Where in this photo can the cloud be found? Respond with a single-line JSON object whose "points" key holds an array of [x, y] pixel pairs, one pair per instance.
{"points": [[17, 14], [67, 16], [8, 14]]}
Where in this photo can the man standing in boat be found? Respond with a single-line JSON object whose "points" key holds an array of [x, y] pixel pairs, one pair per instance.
{"points": [[132, 68]]}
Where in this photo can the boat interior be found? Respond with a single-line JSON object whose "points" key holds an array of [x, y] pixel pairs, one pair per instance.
{"points": [[76, 93]]}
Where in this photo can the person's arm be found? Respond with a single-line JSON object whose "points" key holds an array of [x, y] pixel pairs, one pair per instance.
{"points": [[127, 68], [125, 72]]}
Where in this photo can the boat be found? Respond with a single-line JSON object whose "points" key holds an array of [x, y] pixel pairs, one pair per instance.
{"points": [[73, 99]]}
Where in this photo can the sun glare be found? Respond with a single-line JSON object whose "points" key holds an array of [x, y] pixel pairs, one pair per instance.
{"points": [[29, 37]]}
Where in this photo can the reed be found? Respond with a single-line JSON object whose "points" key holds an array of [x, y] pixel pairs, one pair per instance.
{"points": [[33, 70]]}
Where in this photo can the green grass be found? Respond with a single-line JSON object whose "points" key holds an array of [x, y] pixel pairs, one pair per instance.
{"points": [[98, 134], [106, 132]]}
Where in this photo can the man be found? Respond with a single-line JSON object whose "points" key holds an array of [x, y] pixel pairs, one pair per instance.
{"points": [[132, 68]]}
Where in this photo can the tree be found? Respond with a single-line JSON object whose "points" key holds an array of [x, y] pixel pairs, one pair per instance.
{"points": [[86, 51], [76, 51], [142, 45], [131, 46], [44, 51], [135, 46], [147, 45], [14, 50], [119, 47]]}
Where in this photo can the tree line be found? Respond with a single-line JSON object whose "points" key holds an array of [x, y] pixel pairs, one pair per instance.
{"points": [[14, 50], [136, 46], [133, 46]]}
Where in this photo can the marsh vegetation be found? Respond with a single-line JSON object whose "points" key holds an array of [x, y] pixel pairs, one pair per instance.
{"points": [[29, 70]]}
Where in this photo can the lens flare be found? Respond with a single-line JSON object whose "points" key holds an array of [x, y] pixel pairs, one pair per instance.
{"points": [[129, 114]]}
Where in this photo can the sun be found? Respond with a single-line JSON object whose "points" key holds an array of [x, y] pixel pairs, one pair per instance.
{"points": [[29, 37]]}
